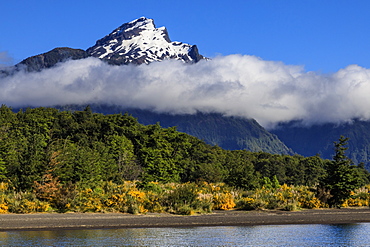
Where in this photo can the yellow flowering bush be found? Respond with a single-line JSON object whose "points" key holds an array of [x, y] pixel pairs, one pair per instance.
{"points": [[3, 205], [136, 201], [25, 202], [223, 201], [248, 203], [125, 198], [359, 198], [3, 208], [34, 206], [87, 200], [284, 197], [355, 202]]}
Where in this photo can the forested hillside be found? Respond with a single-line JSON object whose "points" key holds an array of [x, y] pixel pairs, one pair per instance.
{"points": [[227, 132], [87, 147], [81, 161]]}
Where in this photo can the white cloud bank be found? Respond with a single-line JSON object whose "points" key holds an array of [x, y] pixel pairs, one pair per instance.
{"points": [[236, 85]]}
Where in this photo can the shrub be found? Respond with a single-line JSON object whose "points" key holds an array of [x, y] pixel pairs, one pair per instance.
{"points": [[185, 210], [3, 208], [223, 201], [179, 196], [290, 207], [87, 200], [248, 203], [359, 198], [25, 202]]}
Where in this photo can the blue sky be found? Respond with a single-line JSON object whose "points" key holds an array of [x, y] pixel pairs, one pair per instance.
{"points": [[324, 36]]}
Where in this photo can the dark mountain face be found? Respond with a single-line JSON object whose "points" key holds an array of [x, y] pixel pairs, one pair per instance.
{"points": [[319, 139], [45, 60], [232, 133], [51, 58]]}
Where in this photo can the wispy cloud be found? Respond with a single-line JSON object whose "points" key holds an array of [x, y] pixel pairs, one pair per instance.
{"points": [[235, 85], [5, 59]]}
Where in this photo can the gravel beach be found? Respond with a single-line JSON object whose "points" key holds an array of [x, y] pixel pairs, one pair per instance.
{"points": [[54, 221]]}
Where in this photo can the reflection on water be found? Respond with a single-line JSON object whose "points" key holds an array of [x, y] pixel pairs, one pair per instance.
{"points": [[281, 235]]}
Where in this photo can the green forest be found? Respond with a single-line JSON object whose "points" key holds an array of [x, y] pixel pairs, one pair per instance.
{"points": [[53, 160]]}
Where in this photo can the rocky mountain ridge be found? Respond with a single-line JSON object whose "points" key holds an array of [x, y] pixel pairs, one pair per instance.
{"points": [[51, 58], [136, 42], [139, 42]]}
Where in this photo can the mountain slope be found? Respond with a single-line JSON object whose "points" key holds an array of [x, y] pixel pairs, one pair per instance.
{"points": [[139, 42], [51, 58], [319, 139], [45, 60]]}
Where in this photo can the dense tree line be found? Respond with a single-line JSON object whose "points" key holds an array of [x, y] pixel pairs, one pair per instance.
{"points": [[86, 147]]}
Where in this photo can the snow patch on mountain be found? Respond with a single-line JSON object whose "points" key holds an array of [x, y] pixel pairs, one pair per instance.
{"points": [[139, 42]]}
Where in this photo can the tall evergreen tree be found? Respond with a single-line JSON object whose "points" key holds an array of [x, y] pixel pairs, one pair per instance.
{"points": [[342, 176]]}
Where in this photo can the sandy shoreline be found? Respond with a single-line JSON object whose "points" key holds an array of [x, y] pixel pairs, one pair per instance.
{"points": [[46, 221]]}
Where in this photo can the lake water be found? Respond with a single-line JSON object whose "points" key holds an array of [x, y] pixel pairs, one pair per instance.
{"points": [[279, 235]]}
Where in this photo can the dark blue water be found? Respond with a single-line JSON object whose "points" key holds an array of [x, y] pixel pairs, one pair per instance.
{"points": [[281, 235]]}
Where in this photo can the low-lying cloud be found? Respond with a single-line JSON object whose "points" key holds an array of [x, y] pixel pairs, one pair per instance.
{"points": [[234, 85]]}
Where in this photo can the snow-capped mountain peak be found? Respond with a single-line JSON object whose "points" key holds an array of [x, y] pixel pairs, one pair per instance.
{"points": [[141, 23], [139, 41]]}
